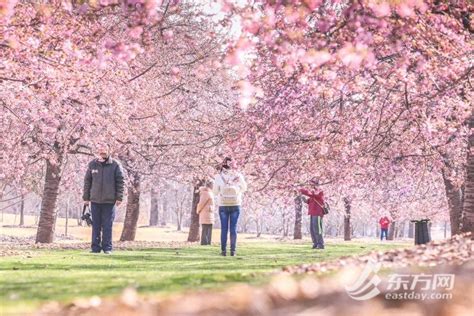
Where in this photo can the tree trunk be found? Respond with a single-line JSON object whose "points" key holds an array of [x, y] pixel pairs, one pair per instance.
{"points": [[468, 206], [179, 220], [391, 231], [22, 211], [47, 219], [258, 226], [347, 219], [454, 196], [194, 227], [78, 216], [164, 210], [133, 209], [154, 207], [297, 234], [37, 213], [401, 230], [2, 190], [411, 230], [67, 215]]}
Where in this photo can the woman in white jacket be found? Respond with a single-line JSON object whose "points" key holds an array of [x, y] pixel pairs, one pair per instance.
{"points": [[229, 186]]}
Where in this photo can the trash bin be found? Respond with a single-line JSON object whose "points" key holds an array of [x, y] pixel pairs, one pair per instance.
{"points": [[422, 231]]}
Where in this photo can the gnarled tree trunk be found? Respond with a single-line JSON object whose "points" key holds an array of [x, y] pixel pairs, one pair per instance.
{"points": [[454, 196], [468, 206], [194, 227], [47, 220], [133, 208], [297, 234]]}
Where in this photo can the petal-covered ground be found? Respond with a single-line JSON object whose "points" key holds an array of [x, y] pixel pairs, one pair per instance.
{"points": [[297, 290]]}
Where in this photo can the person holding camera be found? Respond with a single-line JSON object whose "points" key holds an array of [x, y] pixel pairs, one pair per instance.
{"points": [[229, 186], [316, 212], [103, 190]]}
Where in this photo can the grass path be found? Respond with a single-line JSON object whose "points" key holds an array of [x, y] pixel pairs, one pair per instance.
{"points": [[66, 274]]}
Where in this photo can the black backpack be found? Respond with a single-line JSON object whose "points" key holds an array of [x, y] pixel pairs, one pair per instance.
{"points": [[325, 207]]}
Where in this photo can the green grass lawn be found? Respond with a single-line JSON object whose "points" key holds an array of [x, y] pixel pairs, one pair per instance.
{"points": [[66, 274]]}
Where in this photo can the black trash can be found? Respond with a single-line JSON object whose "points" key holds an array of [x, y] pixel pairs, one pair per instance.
{"points": [[422, 231]]}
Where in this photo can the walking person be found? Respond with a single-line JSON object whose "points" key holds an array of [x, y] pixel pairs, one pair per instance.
{"points": [[205, 209], [315, 211], [384, 223], [103, 190], [229, 186]]}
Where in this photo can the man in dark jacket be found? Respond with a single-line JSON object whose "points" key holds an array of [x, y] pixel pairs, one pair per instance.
{"points": [[103, 189], [315, 211]]}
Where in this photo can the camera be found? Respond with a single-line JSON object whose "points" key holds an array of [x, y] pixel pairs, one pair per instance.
{"points": [[86, 216]]}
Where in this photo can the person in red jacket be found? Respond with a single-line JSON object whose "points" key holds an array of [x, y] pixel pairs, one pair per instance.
{"points": [[315, 211], [384, 223]]}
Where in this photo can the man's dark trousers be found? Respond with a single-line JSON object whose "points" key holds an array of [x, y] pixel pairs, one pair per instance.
{"points": [[316, 230], [103, 215]]}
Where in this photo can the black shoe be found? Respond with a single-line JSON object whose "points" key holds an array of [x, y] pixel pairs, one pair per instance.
{"points": [[232, 253], [223, 254], [92, 251], [315, 247]]}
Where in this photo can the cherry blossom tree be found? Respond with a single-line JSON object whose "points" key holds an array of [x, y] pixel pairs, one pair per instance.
{"points": [[330, 88]]}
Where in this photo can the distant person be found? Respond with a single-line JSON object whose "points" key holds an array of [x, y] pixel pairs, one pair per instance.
{"points": [[229, 186], [103, 190], [315, 211], [384, 223], [205, 209]]}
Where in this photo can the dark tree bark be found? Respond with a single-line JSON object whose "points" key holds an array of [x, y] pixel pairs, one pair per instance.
{"points": [[347, 219], [47, 219], [454, 196], [154, 207], [194, 227], [468, 206], [297, 234], [133, 208]]}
